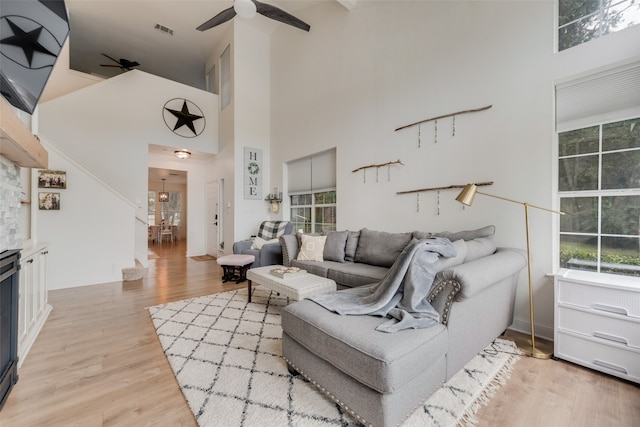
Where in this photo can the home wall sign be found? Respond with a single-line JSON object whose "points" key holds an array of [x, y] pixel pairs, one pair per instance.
{"points": [[252, 173], [183, 117]]}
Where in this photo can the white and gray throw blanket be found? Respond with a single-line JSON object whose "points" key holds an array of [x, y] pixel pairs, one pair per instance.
{"points": [[401, 294]]}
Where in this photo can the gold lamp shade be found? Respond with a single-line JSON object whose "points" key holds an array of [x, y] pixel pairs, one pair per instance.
{"points": [[467, 195]]}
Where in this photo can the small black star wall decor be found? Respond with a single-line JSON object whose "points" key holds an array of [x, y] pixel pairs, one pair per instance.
{"points": [[183, 117]]}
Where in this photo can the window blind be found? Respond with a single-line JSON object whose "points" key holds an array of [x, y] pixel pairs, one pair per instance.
{"points": [[317, 172], [600, 97]]}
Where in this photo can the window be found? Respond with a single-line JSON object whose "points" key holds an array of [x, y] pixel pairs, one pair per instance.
{"points": [[599, 188], [582, 20], [225, 78], [170, 211], [311, 186], [314, 212]]}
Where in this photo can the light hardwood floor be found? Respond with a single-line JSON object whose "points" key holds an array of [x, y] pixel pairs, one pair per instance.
{"points": [[97, 362]]}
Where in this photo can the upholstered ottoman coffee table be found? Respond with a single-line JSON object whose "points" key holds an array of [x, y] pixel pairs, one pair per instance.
{"points": [[296, 287]]}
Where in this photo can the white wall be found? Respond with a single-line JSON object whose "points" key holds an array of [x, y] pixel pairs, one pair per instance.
{"points": [[251, 82], [106, 129], [360, 74], [91, 238]]}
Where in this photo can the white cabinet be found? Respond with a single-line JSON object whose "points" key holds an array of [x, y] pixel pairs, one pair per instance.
{"points": [[33, 305], [597, 322]]}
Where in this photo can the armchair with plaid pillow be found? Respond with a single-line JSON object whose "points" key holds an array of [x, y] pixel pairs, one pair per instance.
{"points": [[265, 245]]}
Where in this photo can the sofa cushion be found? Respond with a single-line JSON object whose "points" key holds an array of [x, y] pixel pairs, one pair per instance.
{"points": [[352, 246], [477, 248], [335, 245], [352, 274], [272, 229], [382, 361], [311, 248], [315, 267], [461, 253], [379, 247], [489, 230]]}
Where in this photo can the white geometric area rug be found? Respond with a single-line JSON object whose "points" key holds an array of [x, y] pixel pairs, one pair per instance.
{"points": [[226, 356]]}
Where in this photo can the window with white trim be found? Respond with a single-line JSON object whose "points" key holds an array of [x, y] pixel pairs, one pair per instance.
{"points": [[312, 192], [599, 189], [582, 20]]}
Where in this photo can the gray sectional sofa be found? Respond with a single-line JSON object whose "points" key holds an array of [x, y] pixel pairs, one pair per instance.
{"points": [[380, 377]]}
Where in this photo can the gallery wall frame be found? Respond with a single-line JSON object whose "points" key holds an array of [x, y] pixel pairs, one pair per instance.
{"points": [[48, 178], [48, 201]]}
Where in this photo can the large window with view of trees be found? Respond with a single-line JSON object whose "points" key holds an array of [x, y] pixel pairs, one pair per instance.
{"points": [[599, 189], [314, 212], [582, 20]]}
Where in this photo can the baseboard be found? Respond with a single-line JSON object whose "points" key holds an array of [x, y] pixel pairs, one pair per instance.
{"points": [[524, 326]]}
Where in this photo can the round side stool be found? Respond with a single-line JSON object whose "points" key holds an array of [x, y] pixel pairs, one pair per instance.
{"points": [[234, 267]]}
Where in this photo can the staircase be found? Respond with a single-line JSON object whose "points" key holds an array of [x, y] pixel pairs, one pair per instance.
{"points": [[134, 273]]}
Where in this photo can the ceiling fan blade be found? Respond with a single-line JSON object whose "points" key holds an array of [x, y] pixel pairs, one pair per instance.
{"points": [[106, 65], [220, 18], [113, 59], [280, 15]]}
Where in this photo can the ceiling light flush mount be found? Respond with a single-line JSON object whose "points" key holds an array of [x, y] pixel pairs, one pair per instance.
{"points": [[163, 195], [245, 8], [182, 154]]}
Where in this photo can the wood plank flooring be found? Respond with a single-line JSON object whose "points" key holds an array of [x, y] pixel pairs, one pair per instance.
{"points": [[97, 362]]}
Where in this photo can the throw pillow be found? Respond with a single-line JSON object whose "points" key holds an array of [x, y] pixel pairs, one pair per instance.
{"points": [[379, 247], [477, 248], [311, 248], [352, 246], [335, 245], [272, 229], [259, 242]]}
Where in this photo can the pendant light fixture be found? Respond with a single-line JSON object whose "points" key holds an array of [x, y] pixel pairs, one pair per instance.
{"points": [[163, 195]]}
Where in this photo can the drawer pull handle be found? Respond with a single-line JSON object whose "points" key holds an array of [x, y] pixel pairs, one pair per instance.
{"points": [[610, 366], [610, 309], [604, 336]]}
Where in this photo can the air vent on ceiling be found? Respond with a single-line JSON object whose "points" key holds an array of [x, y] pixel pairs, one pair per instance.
{"points": [[163, 29]]}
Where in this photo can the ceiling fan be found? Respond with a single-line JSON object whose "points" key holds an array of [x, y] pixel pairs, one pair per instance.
{"points": [[123, 64], [248, 9]]}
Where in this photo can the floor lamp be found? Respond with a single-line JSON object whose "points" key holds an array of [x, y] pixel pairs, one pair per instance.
{"points": [[466, 197]]}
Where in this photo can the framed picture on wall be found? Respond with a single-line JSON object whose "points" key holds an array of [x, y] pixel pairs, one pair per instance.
{"points": [[52, 179], [49, 201]]}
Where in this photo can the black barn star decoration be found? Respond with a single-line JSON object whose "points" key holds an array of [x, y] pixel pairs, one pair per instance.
{"points": [[185, 118], [27, 41]]}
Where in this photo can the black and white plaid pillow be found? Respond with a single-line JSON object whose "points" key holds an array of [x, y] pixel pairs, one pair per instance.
{"points": [[272, 229]]}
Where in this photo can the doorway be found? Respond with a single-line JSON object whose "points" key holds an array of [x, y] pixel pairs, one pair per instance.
{"points": [[214, 218], [167, 209]]}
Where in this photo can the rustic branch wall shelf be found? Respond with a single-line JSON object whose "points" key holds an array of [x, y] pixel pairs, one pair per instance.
{"points": [[438, 189], [378, 166]]}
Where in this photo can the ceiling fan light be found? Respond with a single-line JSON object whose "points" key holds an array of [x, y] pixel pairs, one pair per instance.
{"points": [[182, 154], [245, 8]]}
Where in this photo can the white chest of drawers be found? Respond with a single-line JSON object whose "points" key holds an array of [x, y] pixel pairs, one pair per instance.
{"points": [[597, 322]]}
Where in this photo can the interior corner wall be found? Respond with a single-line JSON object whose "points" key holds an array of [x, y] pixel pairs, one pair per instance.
{"points": [[222, 166], [251, 103], [360, 74]]}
